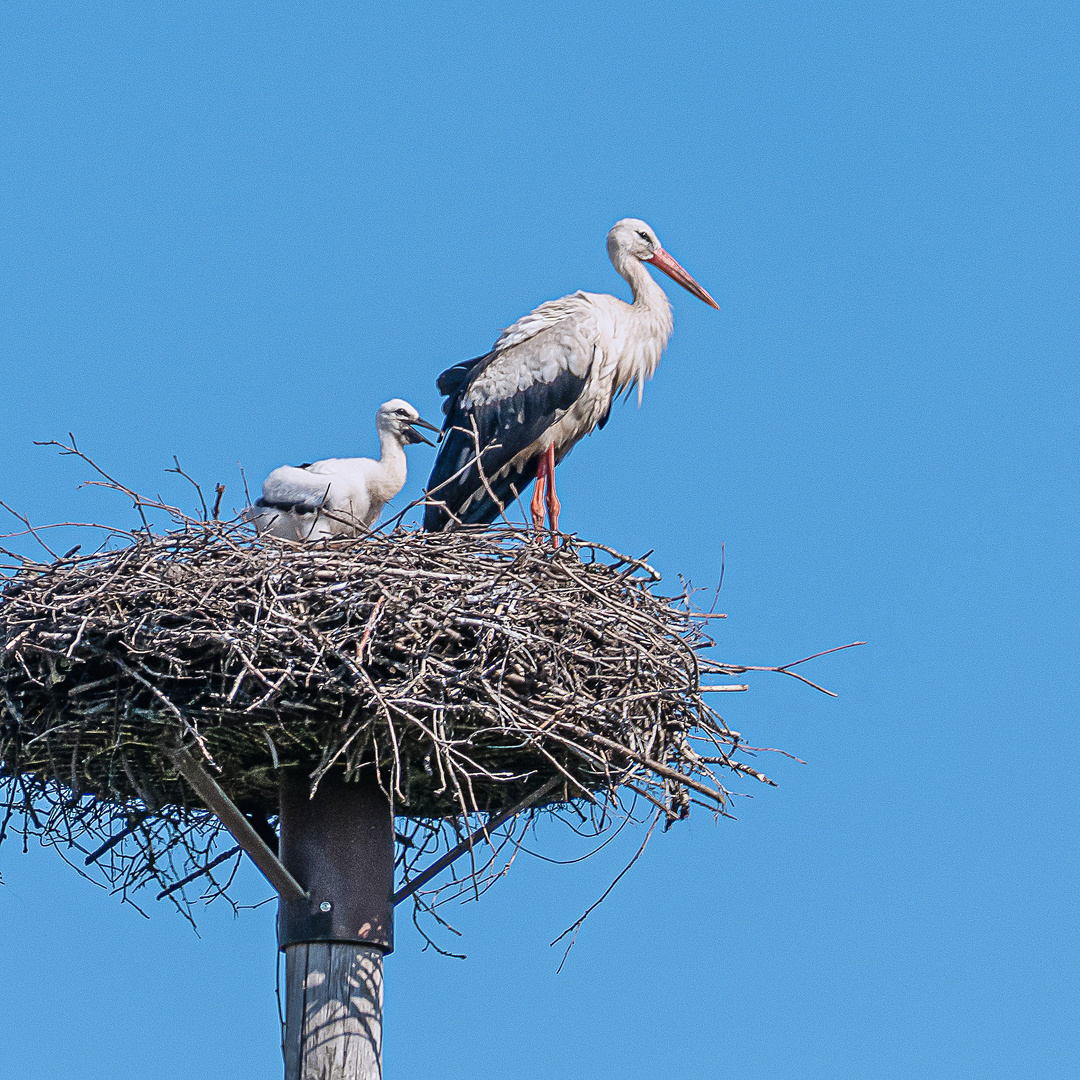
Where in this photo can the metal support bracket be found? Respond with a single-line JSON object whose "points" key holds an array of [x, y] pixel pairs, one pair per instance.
{"points": [[351, 833], [207, 788], [470, 842]]}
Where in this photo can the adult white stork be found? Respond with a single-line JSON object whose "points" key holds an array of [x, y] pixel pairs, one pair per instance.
{"points": [[549, 380], [341, 496]]}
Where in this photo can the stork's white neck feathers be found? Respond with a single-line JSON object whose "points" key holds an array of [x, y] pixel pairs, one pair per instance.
{"points": [[649, 327]]}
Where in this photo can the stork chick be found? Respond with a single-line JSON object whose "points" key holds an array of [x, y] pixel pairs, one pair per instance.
{"points": [[341, 496]]}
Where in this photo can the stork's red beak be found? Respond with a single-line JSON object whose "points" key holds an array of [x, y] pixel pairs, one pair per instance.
{"points": [[663, 261]]}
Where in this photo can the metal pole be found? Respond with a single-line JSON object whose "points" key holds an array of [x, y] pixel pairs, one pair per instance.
{"points": [[340, 846]]}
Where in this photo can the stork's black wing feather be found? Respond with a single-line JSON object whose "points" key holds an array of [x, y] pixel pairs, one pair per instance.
{"points": [[507, 423], [454, 378]]}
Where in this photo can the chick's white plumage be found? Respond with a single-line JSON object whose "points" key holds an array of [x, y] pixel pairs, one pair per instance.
{"points": [[340, 496]]}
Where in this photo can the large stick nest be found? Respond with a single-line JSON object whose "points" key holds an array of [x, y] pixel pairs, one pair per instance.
{"points": [[472, 668]]}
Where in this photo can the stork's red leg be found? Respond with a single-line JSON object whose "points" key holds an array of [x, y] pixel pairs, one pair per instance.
{"points": [[538, 493], [553, 504]]}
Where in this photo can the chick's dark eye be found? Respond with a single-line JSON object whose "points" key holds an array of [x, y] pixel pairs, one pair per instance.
{"points": [[645, 236]]}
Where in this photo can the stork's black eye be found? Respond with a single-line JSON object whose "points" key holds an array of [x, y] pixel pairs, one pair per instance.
{"points": [[645, 236]]}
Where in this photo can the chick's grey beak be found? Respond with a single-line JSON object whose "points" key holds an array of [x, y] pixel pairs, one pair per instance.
{"points": [[415, 435]]}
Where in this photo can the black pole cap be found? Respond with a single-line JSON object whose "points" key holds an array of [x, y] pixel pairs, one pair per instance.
{"points": [[340, 846]]}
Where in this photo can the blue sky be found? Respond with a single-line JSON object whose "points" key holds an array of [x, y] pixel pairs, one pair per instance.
{"points": [[231, 230]]}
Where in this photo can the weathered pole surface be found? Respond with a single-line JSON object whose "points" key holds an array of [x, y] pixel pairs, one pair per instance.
{"points": [[340, 847], [333, 1012]]}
